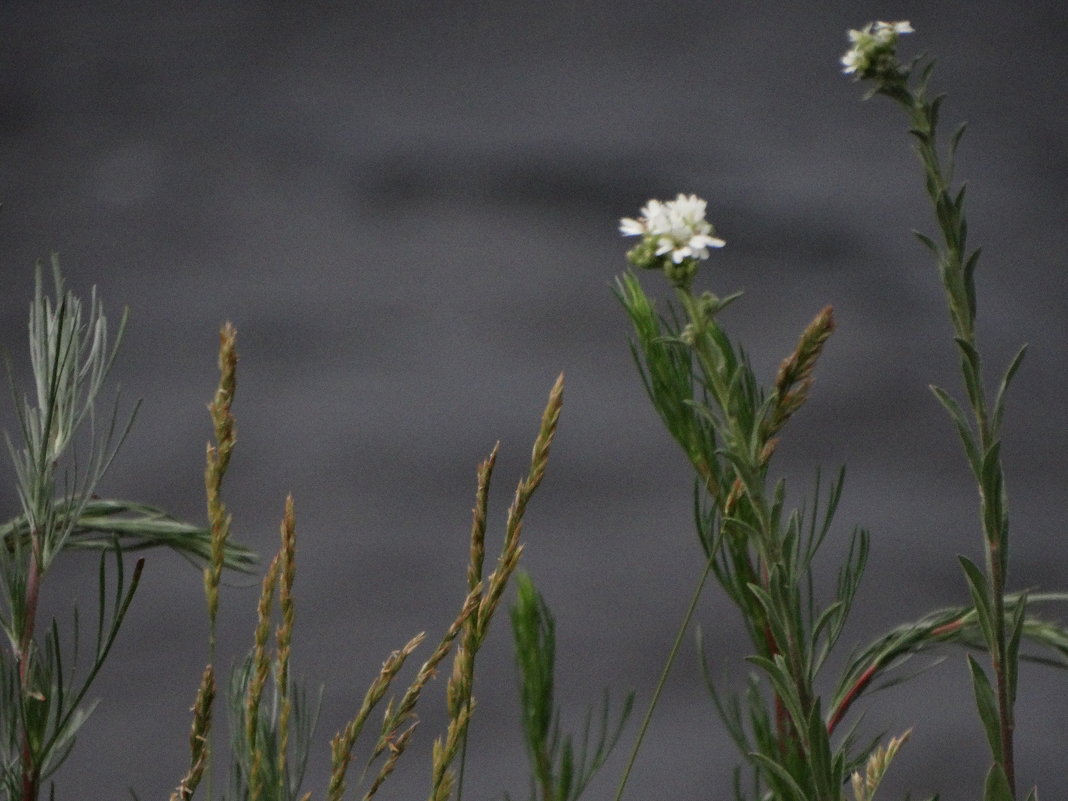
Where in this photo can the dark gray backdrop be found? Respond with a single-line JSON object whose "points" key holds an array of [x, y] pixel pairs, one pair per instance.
{"points": [[409, 211]]}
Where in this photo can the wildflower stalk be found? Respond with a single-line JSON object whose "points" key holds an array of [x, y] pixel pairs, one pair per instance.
{"points": [[873, 58], [710, 400]]}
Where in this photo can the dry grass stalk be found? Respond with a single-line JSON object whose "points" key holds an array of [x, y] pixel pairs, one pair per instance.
{"points": [[218, 459], [198, 737], [399, 721], [509, 558], [396, 749], [405, 710], [478, 519], [261, 669], [216, 462], [284, 633], [445, 750], [343, 742], [459, 694]]}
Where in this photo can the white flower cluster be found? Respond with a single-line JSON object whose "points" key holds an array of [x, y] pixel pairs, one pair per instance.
{"points": [[872, 42], [677, 226]]}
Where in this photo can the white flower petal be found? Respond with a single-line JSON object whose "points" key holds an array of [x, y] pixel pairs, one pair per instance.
{"points": [[678, 227]]}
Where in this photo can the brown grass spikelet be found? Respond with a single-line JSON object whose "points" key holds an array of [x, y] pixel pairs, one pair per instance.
{"points": [[216, 462], [794, 379], [478, 519], [261, 669], [343, 742], [396, 748], [512, 550], [550, 418], [405, 710], [445, 751], [459, 698], [198, 737], [224, 395], [284, 632]]}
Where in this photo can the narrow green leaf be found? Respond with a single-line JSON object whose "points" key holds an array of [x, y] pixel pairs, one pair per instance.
{"points": [[958, 201], [971, 451], [987, 706], [772, 613], [925, 76], [819, 755], [777, 775], [980, 592], [969, 279], [780, 678], [928, 242], [954, 141], [829, 617], [1003, 388], [1012, 662], [970, 368], [997, 785], [944, 212], [971, 264], [968, 350], [725, 302], [991, 480], [934, 108]]}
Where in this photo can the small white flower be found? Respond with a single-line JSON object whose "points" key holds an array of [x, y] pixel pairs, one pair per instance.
{"points": [[871, 44], [887, 31], [677, 226]]}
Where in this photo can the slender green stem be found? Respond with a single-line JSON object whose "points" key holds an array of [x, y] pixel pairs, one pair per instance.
{"points": [[960, 300], [675, 647]]}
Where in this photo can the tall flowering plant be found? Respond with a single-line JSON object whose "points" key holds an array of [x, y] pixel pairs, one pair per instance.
{"points": [[761, 551], [873, 58]]}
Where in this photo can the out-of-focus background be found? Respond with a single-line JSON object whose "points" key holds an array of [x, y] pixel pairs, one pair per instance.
{"points": [[409, 211]]}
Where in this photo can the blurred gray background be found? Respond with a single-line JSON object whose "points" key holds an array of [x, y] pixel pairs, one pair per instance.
{"points": [[409, 211]]}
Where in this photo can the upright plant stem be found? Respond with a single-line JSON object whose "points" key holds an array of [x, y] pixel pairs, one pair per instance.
{"points": [[955, 267], [676, 645], [33, 584]]}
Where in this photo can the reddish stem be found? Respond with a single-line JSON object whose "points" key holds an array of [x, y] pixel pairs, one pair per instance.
{"points": [[851, 696], [782, 720], [33, 588], [866, 677]]}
